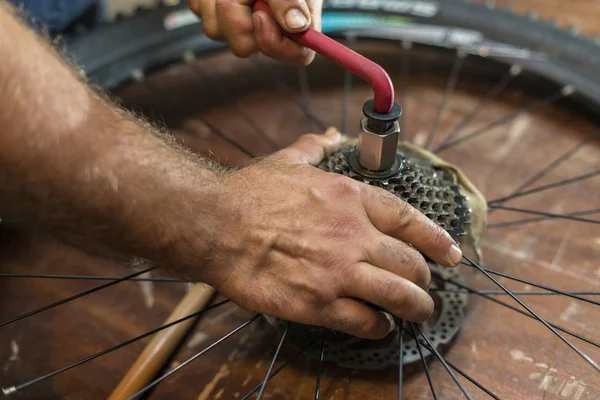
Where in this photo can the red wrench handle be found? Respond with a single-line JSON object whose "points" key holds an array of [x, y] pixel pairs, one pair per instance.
{"points": [[366, 69]]}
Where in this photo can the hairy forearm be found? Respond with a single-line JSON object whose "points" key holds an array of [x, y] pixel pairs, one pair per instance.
{"points": [[72, 164]]}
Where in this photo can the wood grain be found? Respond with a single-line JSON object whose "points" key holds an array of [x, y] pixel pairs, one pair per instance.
{"points": [[514, 356], [163, 344]]}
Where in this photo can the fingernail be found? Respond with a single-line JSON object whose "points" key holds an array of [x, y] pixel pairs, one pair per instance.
{"points": [[391, 319], [295, 19], [454, 254]]}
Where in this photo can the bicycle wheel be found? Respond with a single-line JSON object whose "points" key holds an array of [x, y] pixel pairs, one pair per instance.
{"points": [[511, 100]]}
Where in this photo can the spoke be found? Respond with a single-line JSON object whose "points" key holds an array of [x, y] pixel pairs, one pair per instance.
{"points": [[461, 372], [403, 96], [224, 137], [304, 88], [111, 349], [514, 278], [77, 296], [320, 367], [546, 187], [346, 104], [473, 381], [175, 105], [552, 98], [443, 361], [227, 97], [539, 219], [450, 86], [264, 383], [281, 367], [91, 278], [400, 323], [485, 296], [489, 97], [533, 313], [194, 357], [423, 361], [554, 164], [519, 292], [275, 77], [545, 214]]}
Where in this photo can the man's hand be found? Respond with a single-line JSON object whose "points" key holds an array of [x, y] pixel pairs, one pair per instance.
{"points": [[247, 32], [279, 237], [306, 245]]}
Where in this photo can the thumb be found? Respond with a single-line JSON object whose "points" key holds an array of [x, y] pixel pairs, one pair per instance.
{"points": [[311, 148], [291, 15]]}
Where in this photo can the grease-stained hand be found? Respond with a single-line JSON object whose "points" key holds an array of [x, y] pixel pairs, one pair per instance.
{"points": [[248, 32], [302, 244]]}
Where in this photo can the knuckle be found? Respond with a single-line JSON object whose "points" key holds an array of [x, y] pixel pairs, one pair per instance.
{"points": [[320, 296], [420, 274], [301, 309], [392, 293], [333, 320], [425, 309], [242, 49], [364, 326], [407, 262], [223, 4], [425, 277], [344, 186], [404, 213]]}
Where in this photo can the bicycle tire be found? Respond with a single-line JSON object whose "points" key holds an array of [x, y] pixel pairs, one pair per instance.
{"points": [[569, 58]]}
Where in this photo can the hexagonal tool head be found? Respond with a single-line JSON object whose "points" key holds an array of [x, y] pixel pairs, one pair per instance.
{"points": [[377, 151]]}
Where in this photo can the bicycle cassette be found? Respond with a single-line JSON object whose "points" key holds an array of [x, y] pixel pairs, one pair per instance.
{"points": [[430, 189], [441, 192]]}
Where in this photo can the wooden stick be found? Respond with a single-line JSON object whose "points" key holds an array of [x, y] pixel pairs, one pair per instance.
{"points": [[164, 343]]}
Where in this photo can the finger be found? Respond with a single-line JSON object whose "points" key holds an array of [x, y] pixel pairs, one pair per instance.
{"points": [[207, 11], [395, 294], [311, 149], [291, 15], [316, 8], [356, 319], [397, 257], [272, 43], [395, 217], [236, 24]]}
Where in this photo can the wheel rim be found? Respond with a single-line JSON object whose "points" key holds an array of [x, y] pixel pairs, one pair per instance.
{"points": [[507, 250]]}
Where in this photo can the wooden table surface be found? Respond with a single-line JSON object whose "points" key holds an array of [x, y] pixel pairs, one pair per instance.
{"points": [[514, 356]]}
